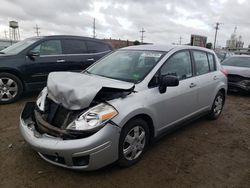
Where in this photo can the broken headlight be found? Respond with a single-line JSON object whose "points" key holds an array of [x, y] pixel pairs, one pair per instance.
{"points": [[94, 118]]}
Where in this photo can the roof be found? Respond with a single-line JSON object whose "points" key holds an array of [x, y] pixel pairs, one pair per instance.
{"points": [[164, 47], [67, 36], [71, 37]]}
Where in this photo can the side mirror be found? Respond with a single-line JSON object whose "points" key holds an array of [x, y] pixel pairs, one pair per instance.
{"points": [[167, 81], [33, 55]]}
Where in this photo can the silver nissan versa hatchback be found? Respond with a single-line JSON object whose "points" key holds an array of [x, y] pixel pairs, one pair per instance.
{"points": [[114, 109]]}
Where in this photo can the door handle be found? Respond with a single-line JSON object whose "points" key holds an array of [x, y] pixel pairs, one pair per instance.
{"points": [[90, 59], [192, 85], [215, 78], [60, 60]]}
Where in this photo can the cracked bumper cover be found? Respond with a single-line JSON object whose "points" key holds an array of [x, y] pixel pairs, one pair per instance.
{"points": [[99, 149]]}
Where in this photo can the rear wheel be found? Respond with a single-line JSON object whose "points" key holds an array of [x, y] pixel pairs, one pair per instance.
{"points": [[10, 88], [133, 142], [217, 106]]}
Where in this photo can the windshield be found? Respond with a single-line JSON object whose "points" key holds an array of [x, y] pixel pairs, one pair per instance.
{"points": [[18, 47], [127, 65], [237, 61]]}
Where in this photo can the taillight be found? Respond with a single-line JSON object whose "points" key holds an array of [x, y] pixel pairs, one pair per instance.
{"points": [[224, 71]]}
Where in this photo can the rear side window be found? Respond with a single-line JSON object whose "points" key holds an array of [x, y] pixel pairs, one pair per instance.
{"points": [[96, 47], [178, 65], [50, 47], [74, 46], [211, 62], [201, 62]]}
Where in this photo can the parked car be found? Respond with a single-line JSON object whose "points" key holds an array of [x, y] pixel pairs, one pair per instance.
{"points": [[25, 66], [238, 69], [222, 55], [116, 107]]}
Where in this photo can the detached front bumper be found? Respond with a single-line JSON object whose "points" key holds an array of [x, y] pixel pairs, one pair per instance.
{"points": [[237, 86], [91, 153]]}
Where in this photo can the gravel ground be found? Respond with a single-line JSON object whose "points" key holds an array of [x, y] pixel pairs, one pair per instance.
{"points": [[202, 154]]}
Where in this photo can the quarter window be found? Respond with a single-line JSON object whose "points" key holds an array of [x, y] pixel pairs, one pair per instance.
{"points": [[178, 65], [201, 62], [50, 47]]}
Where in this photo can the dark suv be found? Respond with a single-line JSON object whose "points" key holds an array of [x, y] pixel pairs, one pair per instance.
{"points": [[25, 66]]}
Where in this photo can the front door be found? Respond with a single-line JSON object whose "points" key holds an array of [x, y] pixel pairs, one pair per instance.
{"points": [[50, 59], [180, 102]]}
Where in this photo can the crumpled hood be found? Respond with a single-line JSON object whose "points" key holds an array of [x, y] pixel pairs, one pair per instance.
{"points": [[76, 91], [241, 71]]}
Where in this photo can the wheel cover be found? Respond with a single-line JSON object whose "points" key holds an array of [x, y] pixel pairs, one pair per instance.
{"points": [[218, 105], [8, 89], [134, 143]]}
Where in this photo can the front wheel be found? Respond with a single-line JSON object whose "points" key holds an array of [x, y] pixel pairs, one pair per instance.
{"points": [[10, 88], [133, 142], [217, 106]]}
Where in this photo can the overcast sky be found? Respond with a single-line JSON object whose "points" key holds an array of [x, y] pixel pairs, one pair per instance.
{"points": [[163, 20]]}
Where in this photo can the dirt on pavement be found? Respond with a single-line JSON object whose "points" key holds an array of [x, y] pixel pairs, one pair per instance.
{"points": [[202, 154]]}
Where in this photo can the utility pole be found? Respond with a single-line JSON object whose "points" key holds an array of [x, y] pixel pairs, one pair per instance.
{"points": [[180, 39], [37, 30], [94, 28], [216, 30], [142, 35]]}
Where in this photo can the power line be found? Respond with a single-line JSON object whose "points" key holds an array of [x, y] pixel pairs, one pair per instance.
{"points": [[37, 30], [142, 35]]}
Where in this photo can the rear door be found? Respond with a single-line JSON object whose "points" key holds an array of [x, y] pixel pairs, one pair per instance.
{"points": [[76, 54], [207, 77], [180, 102], [97, 49], [82, 53]]}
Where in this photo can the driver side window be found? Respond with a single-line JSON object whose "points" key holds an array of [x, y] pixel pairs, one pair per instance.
{"points": [[178, 65], [50, 47]]}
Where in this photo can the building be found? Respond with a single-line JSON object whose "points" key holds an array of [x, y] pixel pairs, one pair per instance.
{"points": [[197, 40], [4, 43], [118, 43], [234, 42]]}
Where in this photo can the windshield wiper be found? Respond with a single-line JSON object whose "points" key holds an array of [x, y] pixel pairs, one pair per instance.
{"points": [[2, 53]]}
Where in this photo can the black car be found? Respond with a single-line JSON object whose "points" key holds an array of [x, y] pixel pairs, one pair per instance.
{"points": [[25, 65]]}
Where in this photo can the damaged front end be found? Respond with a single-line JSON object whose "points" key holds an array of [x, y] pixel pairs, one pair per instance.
{"points": [[55, 116], [238, 83]]}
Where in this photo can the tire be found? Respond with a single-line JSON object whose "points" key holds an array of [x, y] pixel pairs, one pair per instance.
{"points": [[11, 88], [132, 145], [217, 107]]}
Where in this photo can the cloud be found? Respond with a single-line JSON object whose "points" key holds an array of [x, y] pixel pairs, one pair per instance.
{"points": [[164, 20]]}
